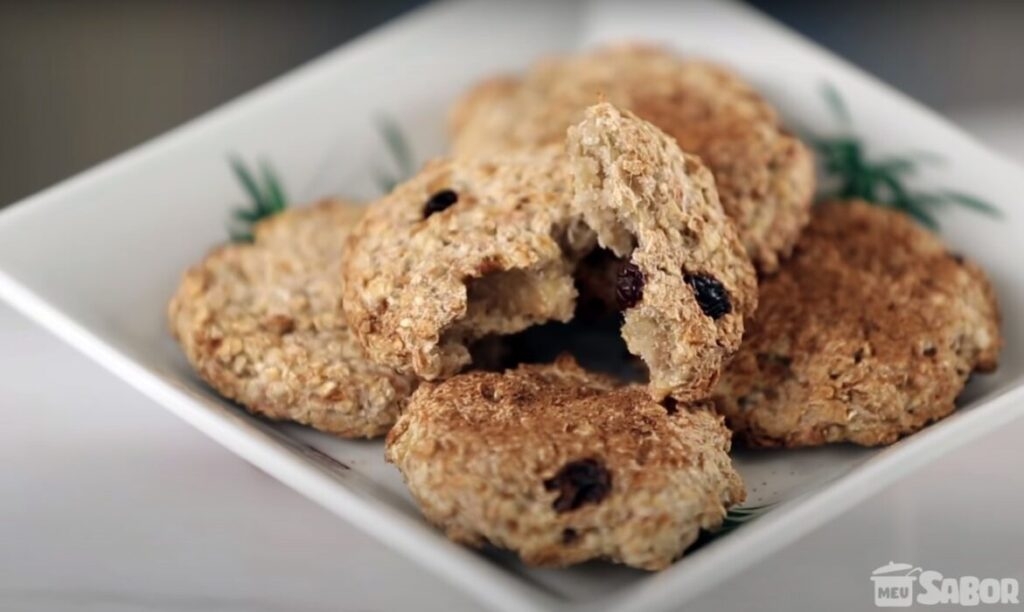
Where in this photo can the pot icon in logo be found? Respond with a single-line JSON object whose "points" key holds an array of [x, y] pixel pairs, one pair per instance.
{"points": [[894, 585]]}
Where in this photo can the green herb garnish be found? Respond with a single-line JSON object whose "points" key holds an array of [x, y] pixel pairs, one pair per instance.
{"points": [[881, 182], [266, 198], [739, 516], [733, 519], [401, 154]]}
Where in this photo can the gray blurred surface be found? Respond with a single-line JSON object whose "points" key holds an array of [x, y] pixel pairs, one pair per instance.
{"points": [[83, 81], [950, 54]]}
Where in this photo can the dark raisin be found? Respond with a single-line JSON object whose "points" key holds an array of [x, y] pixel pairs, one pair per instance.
{"points": [[488, 392], [629, 286], [712, 297], [858, 356], [579, 482], [440, 201], [280, 324], [929, 351], [670, 405], [569, 535], [957, 257]]}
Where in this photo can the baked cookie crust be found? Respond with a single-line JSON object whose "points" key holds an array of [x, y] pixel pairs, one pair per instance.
{"points": [[262, 324], [562, 466], [466, 249], [867, 334]]}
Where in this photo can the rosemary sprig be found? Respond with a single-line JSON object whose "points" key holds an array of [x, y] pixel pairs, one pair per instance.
{"points": [[739, 516], [734, 518], [401, 154], [266, 198], [266, 194], [837, 105], [881, 181]]}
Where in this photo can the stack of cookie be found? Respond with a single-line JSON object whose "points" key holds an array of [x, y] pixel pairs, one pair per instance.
{"points": [[663, 189]]}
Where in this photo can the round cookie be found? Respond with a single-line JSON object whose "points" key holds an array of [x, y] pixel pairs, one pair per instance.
{"points": [[765, 176], [688, 284], [466, 249], [262, 324], [483, 110], [561, 466], [867, 334]]}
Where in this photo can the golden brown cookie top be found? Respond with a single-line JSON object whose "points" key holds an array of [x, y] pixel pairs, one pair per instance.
{"points": [[483, 405], [687, 283], [562, 466], [867, 334], [765, 176], [262, 324]]}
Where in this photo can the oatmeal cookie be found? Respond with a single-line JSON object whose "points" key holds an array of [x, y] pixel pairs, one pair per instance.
{"points": [[765, 176], [688, 283], [262, 324], [466, 249], [866, 335], [562, 466]]}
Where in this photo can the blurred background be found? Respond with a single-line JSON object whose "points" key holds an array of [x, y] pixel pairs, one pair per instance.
{"points": [[83, 81]]}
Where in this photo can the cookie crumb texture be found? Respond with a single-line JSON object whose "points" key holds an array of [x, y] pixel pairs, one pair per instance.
{"points": [[464, 250], [867, 334], [261, 323], [765, 176], [562, 466], [687, 283]]}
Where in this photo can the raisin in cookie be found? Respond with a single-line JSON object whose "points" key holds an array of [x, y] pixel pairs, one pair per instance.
{"points": [[687, 284], [765, 176], [466, 249], [262, 324], [867, 334], [561, 466]]}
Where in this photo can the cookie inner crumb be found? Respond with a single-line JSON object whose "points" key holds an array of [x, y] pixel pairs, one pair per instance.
{"points": [[511, 300]]}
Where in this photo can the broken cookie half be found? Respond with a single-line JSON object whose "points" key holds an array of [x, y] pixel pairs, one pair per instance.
{"points": [[686, 283], [468, 248]]}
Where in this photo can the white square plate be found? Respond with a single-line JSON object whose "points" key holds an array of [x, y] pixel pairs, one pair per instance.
{"points": [[96, 258]]}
